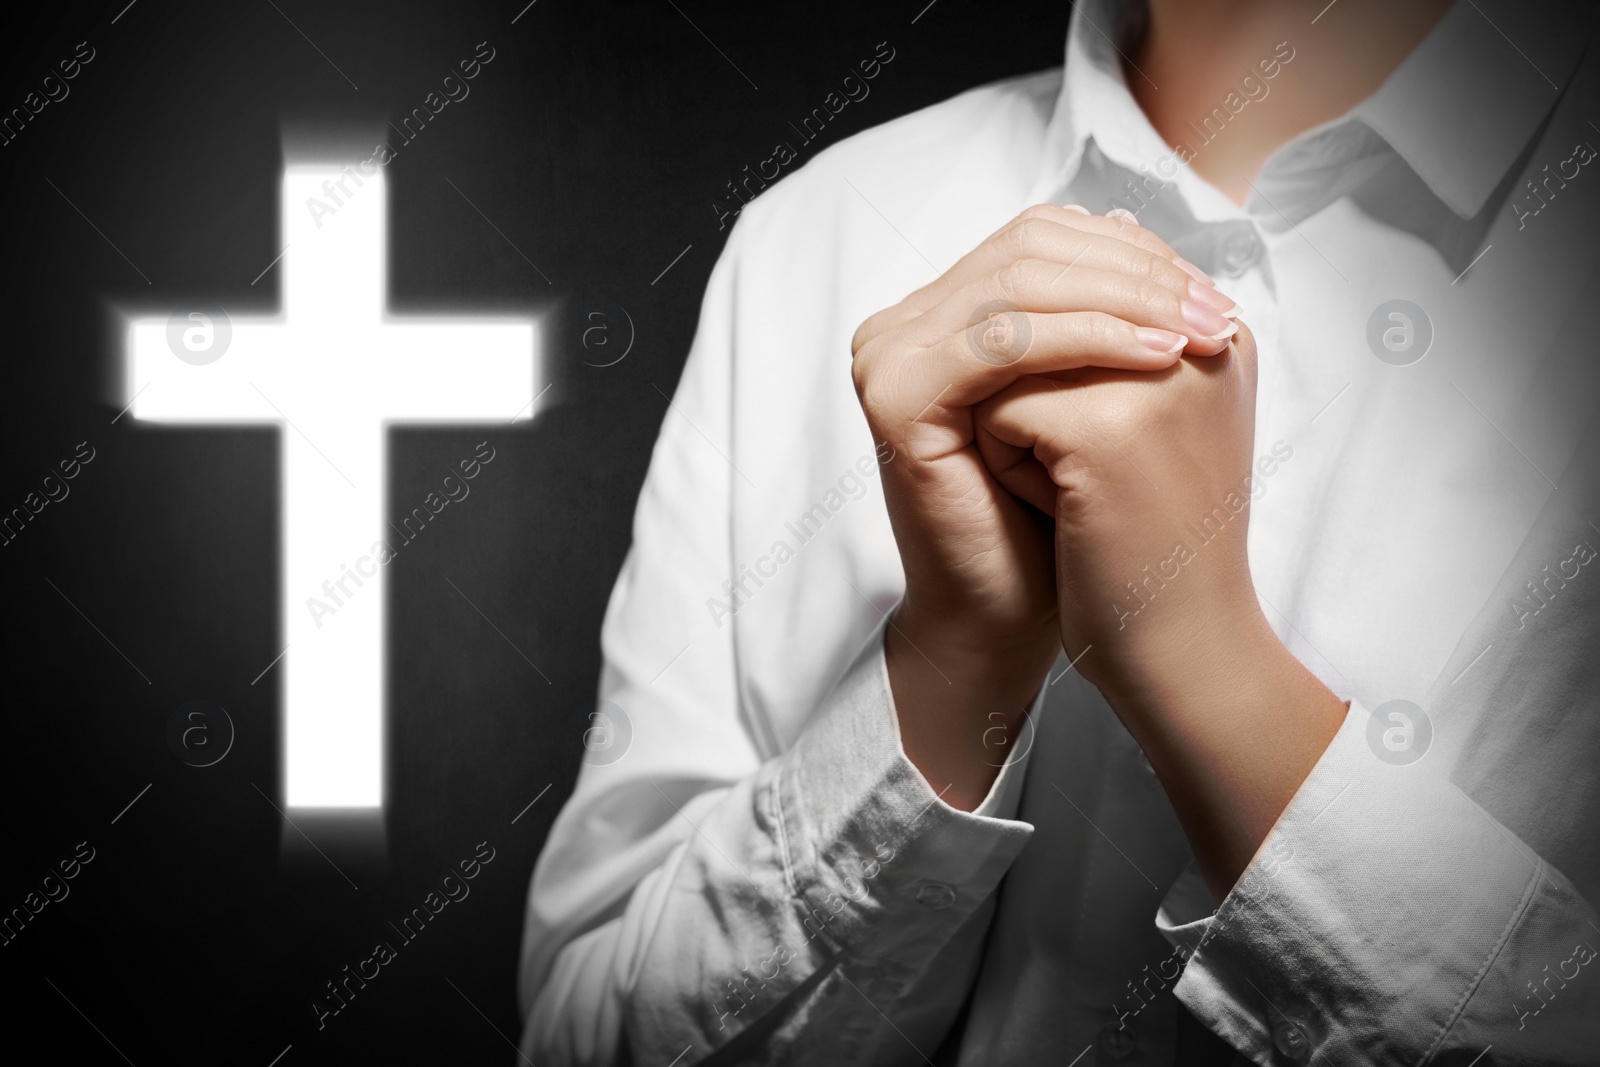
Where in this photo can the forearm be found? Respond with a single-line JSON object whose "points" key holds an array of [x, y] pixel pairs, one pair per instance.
{"points": [[734, 905], [1232, 724], [1389, 918]]}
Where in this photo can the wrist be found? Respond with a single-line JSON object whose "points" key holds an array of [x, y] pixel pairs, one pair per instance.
{"points": [[966, 648], [1145, 671], [961, 700], [1232, 724]]}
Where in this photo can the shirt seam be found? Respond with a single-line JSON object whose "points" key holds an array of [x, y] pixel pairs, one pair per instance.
{"points": [[781, 825], [1517, 915]]}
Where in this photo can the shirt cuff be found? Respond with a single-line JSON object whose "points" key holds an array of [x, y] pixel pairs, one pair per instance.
{"points": [[1365, 921], [884, 867]]}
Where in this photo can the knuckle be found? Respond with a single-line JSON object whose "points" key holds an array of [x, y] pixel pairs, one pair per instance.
{"points": [[1002, 338], [1151, 301], [1015, 280], [861, 373], [1139, 264], [1030, 235], [880, 387], [863, 334], [1103, 332], [874, 404], [873, 326]]}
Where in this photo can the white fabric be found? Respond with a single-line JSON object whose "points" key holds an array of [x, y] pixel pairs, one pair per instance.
{"points": [[764, 862]]}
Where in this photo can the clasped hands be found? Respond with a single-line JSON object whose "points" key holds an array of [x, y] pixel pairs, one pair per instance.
{"points": [[1062, 403]]}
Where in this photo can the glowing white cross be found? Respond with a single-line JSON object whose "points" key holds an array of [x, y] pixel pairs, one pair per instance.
{"points": [[336, 368]]}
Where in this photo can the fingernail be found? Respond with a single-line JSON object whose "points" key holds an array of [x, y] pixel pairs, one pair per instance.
{"points": [[1079, 208], [1193, 271], [1207, 324], [1210, 297], [1122, 213], [1164, 341]]}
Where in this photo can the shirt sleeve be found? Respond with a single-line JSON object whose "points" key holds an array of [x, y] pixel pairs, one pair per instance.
{"points": [[694, 901], [1387, 918]]}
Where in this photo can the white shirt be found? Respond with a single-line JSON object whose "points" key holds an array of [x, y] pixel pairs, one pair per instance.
{"points": [[750, 869]]}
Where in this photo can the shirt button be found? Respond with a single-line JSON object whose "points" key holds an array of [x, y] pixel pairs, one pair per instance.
{"points": [[1240, 249], [1291, 1039], [1117, 1042], [936, 895]]}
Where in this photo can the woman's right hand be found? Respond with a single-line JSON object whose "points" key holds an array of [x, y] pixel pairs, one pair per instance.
{"points": [[1053, 291]]}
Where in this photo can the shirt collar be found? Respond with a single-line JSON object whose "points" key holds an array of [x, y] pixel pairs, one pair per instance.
{"points": [[1094, 100], [1464, 105], [1459, 111]]}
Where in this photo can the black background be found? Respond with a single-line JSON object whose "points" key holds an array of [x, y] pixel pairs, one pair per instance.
{"points": [[597, 140]]}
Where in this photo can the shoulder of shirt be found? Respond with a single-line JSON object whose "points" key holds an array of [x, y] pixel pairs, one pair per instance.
{"points": [[942, 151]]}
